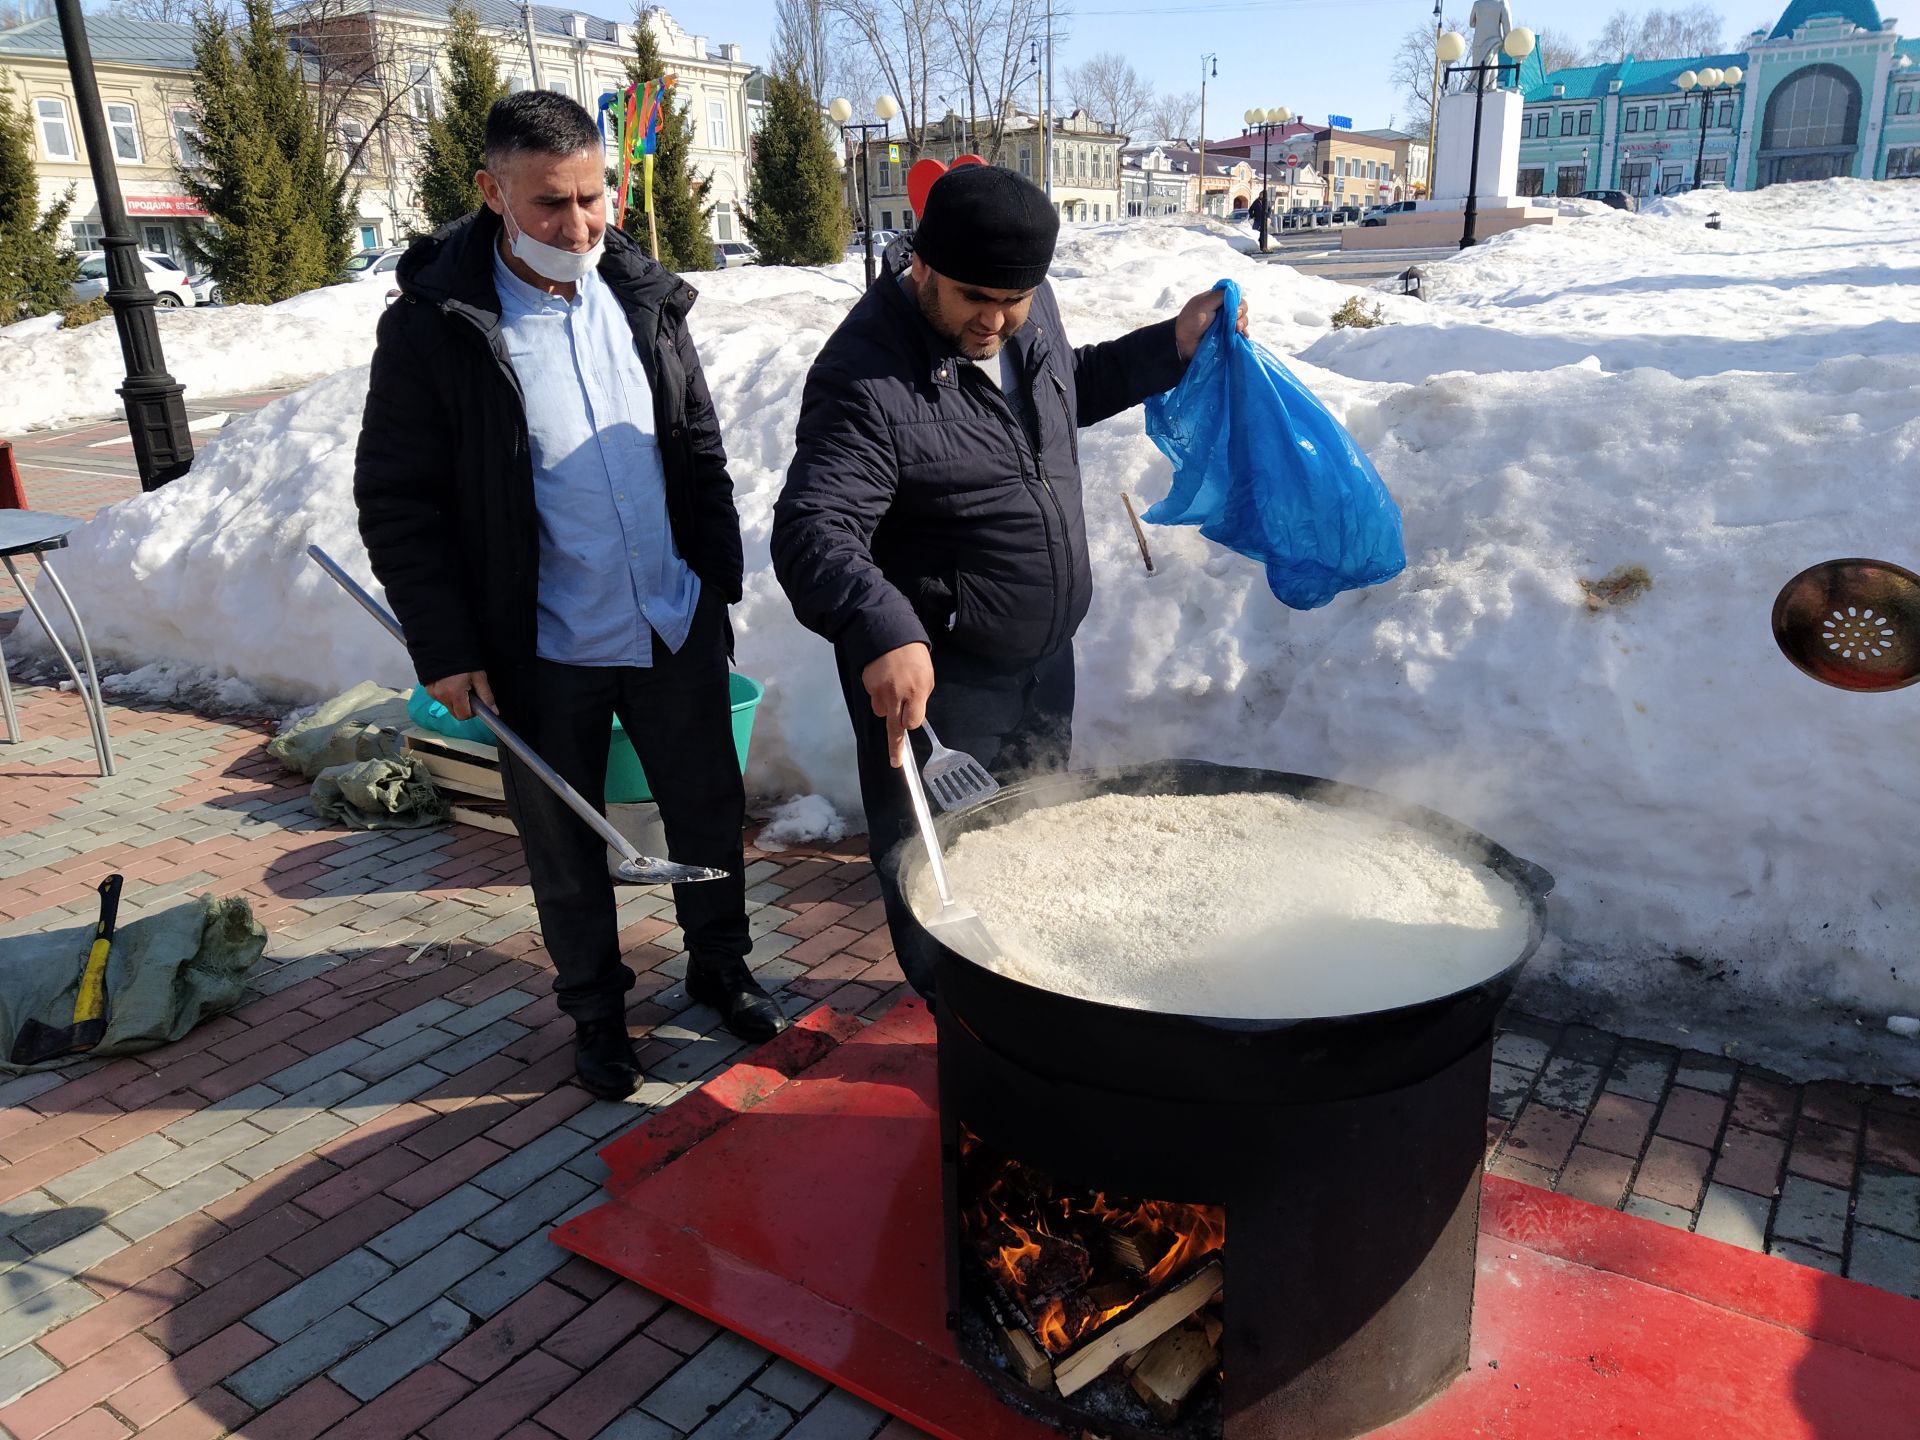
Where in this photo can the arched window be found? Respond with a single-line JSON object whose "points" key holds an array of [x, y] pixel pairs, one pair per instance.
{"points": [[1812, 127]]}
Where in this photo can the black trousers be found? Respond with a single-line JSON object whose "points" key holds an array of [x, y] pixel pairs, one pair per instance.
{"points": [[678, 715], [1017, 721]]}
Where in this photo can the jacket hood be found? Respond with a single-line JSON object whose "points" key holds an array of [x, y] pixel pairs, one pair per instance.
{"points": [[455, 264]]}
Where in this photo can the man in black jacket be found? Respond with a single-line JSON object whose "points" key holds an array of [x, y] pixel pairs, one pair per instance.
{"points": [[543, 493], [931, 522]]}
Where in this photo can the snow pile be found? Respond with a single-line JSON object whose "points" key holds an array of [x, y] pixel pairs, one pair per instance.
{"points": [[52, 376], [1613, 440]]}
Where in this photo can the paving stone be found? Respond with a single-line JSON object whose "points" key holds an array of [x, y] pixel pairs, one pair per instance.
{"points": [[1750, 1161], [1640, 1073], [1568, 1084], [121, 1162], [314, 1067], [402, 1350], [221, 1113], [536, 1158], [476, 1047], [1692, 1116], [383, 1095], [31, 1317], [532, 1209], [1734, 1216], [1805, 1255], [415, 1286], [1596, 1176], [70, 1221], [638, 1425], [202, 1155], [289, 1145], [23, 1209], [319, 1295], [323, 1094], [1524, 1052], [397, 1055], [58, 1264], [470, 1019], [1890, 1202], [1812, 1214], [702, 1385], [792, 1386], [1619, 1124], [21, 1370], [410, 1022], [748, 1416], [839, 1416], [501, 1281], [1703, 1072], [1648, 1209], [286, 1367], [603, 1117], [1890, 1261], [431, 1224], [1508, 1090]]}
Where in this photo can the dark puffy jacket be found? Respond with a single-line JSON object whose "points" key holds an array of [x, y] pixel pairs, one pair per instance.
{"points": [[444, 475], [919, 502]]}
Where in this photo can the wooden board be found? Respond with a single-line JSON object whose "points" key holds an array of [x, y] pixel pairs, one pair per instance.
{"points": [[1144, 1325], [491, 818]]}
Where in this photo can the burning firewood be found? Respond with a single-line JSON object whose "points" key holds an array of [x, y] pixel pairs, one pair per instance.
{"points": [[1167, 1370], [1137, 1249], [1137, 1329]]}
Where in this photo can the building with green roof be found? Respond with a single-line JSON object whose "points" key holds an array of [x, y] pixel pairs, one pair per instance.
{"points": [[1830, 90]]}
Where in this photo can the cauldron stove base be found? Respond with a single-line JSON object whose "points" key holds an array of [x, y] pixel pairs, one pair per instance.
{"points": [[810, 1222]]}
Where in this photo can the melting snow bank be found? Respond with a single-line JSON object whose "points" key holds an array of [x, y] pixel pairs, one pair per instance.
{"points": [[1613, 441]]}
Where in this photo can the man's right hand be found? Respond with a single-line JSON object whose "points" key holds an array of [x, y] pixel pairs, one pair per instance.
{"points": [[452, 691], [898, 684]]}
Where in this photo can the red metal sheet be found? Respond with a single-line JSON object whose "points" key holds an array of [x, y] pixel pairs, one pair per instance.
{"points": [[802, 1210]]}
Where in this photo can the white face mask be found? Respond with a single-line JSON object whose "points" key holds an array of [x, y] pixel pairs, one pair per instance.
{"points": [[549, 262]]}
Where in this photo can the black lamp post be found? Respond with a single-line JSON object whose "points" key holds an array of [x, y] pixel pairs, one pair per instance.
{"points": [[156, 411], [1710, 83], [1517, 46], [1266, 122], [842, 112]]}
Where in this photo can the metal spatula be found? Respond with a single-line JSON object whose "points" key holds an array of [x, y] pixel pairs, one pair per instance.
{"points": [[1852, 624], [955, 780], [634, 868], [956, 927]]}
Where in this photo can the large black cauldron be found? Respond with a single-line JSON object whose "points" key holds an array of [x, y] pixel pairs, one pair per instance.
{"points": [[1346, 1150]]}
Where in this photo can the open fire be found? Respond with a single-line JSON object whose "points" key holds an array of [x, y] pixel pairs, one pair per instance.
{"points": [[1080, 1282]]}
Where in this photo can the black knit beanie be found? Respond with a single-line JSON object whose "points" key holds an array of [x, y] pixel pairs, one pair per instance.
{"points": [[985, 225]]}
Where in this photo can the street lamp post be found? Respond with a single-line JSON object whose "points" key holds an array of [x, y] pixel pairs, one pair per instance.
{"points": [[1211, 58], [1266, 122], [1517, 46], [156, 410], [842, 112], [1711, 83]]}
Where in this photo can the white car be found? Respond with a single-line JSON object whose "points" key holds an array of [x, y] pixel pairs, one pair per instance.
{"points": [[165, 278], [376, 264], [729, 253]]}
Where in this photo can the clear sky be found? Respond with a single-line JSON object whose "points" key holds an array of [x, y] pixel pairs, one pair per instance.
{"points": [[1317, 57]]}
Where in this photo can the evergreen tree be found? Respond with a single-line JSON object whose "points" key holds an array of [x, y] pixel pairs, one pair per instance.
{"points": [[797, 215], [276, 195], [36, 271], [455, 138], [680, 208]]}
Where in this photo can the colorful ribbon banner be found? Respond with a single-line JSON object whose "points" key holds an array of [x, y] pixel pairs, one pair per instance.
{"points": [[630, 122]]}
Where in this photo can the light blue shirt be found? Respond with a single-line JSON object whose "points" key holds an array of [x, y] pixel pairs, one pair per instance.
{"points": [[610, 577]]}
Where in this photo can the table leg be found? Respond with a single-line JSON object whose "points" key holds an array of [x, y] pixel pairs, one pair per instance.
{"points": [[6, 703], [89, 686]]}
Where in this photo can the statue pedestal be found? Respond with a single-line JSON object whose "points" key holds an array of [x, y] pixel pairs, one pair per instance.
{"points": [[1499, 147]]}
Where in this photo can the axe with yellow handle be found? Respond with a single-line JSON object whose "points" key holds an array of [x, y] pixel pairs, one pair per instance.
{"points": [[38, 1041]]}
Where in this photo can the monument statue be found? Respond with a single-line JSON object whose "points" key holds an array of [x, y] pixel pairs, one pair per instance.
{"points": [[1491, 20]]}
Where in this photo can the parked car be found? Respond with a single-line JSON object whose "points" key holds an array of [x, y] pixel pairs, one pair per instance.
{"points": [[165, 278], [1347, 215], [881, 239], [1323, 217], [1239, 216], [205, 290], [375, 264], [729, 253], [1378, 216], [1618, 199]]}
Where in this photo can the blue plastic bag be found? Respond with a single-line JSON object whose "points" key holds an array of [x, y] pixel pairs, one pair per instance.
{"points": [[1263, 468], [429, 714]]}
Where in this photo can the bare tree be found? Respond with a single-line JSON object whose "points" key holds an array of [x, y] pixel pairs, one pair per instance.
{"points": [[991, 45], [1557, 50], [909, 42], [1109, 89], [1411, 74], [1172, 117], [19, 12], [1658, 35], [803, 43]]}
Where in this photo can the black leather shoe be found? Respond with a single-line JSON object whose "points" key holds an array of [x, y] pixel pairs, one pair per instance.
{"points": [[729, 987], [604, 1059]]}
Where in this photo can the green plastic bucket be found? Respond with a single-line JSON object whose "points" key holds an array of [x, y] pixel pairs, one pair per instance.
{"points": [[627, 782]]}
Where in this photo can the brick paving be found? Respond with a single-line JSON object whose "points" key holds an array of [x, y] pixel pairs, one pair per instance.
{"points": [[325, 1214]]}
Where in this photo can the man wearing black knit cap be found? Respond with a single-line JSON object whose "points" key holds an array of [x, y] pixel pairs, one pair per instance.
{"points": [[931, 523]]}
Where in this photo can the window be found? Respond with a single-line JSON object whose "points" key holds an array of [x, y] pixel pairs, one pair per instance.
{"points": [[154, 238], [1570, 180], [1636, 177], [89, 236], [1714, 168], [425, 101], [1676, 117], [1650, 119], [1586, 122], [94, 269], [1531, 180], [1904, 163], [1566, 122], [56, 134], [716, 125], [886, 219], [1812, 126], [186, 138], [723, 220], [1725, 120], [353, 145], [125, 130], [1026, 161], [1903, 105], [1633, 120], [1671, 179], [369, 237], [559, 87], [516, 83]]}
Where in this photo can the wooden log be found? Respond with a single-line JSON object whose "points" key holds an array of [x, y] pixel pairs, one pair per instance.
{"points": [[1137, 1329], [1171, 1366], [1026, 1358], [1215, 1328]]}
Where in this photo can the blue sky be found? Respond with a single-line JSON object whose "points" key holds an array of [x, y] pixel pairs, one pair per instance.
{"points": [[1317, 57]]}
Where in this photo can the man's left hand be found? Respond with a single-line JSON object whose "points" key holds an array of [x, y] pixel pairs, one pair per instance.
{"points": [[1196, 315]]}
